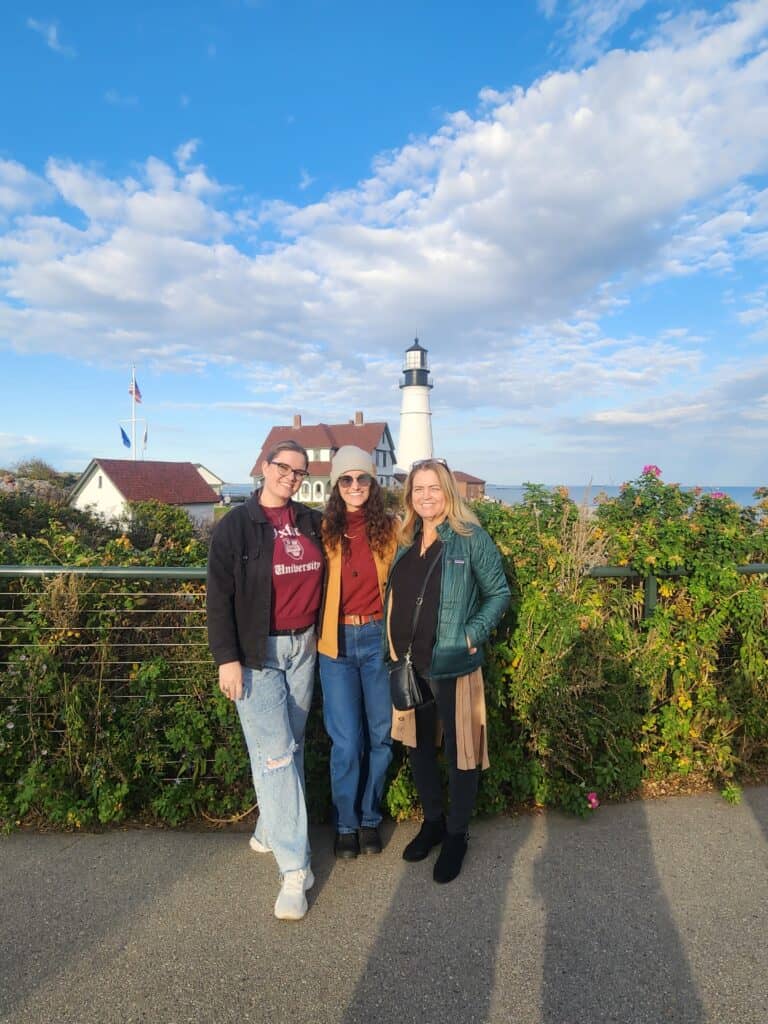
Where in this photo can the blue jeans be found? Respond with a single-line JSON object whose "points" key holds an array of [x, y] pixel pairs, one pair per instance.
{"points": [[358, 714], [273, 713]]}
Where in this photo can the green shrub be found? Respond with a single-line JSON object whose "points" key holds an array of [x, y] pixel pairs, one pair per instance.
{"points": [[585, 698]]}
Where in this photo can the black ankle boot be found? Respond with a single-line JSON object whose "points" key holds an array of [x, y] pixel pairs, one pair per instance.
{"points": [[448, 864], [430, 834]]}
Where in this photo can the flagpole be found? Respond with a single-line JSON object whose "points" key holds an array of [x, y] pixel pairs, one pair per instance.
{"points": [[133, 412]]}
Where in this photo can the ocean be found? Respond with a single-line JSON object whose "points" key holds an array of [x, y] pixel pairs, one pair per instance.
{"points": [[513, 494]]}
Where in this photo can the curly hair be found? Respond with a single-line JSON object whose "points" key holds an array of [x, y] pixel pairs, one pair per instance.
{"points": [[381, 528]]}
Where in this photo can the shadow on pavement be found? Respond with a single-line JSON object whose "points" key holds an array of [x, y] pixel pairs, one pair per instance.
{"points": [[66, 899], [438, 944], [612, 951], [756, 798]]}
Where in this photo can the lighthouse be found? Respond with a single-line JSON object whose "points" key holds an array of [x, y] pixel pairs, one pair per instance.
{"points": [[415, 415]]}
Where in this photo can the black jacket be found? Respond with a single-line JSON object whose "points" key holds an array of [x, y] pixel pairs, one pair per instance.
{"points": [[239, 591]]}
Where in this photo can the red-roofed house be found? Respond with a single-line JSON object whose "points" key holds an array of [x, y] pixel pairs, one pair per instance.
{"points": [[322, 441], [107, 484], [471, 488]]}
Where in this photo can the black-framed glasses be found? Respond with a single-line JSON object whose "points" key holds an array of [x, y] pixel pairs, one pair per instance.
{"points": [[285, 470], [421, 463], [362, 480]]}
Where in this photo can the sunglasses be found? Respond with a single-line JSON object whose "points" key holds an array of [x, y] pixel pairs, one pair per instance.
{"points": [[421, 463], [363, 480], [285, 470]]}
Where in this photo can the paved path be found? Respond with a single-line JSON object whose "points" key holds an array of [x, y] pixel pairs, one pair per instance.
{"points": [[647, 912]]}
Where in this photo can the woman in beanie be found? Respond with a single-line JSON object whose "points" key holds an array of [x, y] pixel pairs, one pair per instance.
{"points": [[452, 568], [360, 539]]}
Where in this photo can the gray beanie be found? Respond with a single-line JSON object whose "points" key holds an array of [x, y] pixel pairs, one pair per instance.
{"points": [[351, 457]]}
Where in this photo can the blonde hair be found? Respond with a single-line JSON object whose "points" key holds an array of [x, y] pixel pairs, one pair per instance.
{"points": [[460, 517]]}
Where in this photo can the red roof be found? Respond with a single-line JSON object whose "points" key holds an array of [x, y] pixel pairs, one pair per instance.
{"points": [[319, 468], [467, 478], [173, 483], [324, 435]]}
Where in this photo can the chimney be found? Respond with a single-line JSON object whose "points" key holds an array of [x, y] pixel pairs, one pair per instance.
{"points": [[358, 418], [296, 421]]}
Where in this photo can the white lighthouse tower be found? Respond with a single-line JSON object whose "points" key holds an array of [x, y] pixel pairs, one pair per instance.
{"points": [[415, 414]]}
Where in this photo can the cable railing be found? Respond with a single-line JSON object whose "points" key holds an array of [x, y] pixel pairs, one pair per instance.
{"points": [[123, 634], [650, 581], [107, 687]]}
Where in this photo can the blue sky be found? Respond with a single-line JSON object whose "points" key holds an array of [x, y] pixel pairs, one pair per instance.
{"points": [[260, 203]]}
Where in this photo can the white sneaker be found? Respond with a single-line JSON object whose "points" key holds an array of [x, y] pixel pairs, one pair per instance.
{"points": [[291, 903], [258, 847]]}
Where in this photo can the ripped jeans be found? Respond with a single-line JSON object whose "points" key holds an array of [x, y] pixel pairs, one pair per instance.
{"points": [[273, 713]]}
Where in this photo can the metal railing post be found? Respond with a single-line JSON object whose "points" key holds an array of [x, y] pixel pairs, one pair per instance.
{"points": [[650, 595]]}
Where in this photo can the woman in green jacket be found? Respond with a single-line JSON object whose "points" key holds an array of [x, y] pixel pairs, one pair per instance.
{"points": [[465, 596]]}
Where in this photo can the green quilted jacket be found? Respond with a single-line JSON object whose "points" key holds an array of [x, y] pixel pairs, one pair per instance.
{"points": [[473, 596]]}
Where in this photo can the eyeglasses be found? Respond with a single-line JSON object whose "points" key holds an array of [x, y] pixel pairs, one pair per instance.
{"points": [[363, 480], [421, 463], [285, 470]]}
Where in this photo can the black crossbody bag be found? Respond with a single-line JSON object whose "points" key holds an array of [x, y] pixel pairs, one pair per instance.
{"points": [[406, 689]]}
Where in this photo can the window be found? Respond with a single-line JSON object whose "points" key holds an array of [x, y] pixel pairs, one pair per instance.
{"points": [[99, 484]]}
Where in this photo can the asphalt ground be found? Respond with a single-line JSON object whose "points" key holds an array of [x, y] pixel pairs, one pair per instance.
{"points": [[650, 911]]}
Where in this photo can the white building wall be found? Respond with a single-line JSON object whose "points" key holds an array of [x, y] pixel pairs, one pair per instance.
{"points": [[210, 478], [415, 440], [199, 514], [108, 502], [101, 495]]}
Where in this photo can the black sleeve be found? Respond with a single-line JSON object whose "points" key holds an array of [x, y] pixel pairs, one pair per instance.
{"points": [[220, 596]]}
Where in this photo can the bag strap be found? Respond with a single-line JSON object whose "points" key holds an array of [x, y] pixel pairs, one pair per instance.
{"points": [[420, 602]]}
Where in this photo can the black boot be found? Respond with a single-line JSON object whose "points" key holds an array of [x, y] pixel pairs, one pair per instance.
{"points": [[430, 834], [448, 864], [346, 845]]}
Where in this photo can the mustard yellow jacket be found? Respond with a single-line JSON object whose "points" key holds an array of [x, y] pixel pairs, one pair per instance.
{"points": [[328, 639]]}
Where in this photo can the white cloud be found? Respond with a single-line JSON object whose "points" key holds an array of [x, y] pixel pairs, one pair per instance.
{"points": [[49, 30], [185, 152], [509, 237], [118, 99], [164, 203], [13, 441], [306, 179], [20, 189], [588, 25], [657, 417]]}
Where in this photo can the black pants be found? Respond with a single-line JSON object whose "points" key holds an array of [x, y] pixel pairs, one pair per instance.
{"points": [[462, 785]]}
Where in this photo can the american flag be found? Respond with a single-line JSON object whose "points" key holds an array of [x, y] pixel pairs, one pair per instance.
{"points": [[133, 389]]}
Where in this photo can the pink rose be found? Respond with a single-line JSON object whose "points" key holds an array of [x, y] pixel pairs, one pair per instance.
{"points": [[651, 470], [593, 801]]}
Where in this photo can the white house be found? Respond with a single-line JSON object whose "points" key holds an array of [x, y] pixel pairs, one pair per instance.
{"points": [[108, 484], [322, 441], [210, 478]]}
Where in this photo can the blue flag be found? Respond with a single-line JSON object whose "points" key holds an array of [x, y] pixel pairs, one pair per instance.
{"points": [[126, 439]]}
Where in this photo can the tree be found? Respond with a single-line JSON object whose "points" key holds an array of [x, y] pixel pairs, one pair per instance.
{"points": [[37, 469]]}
